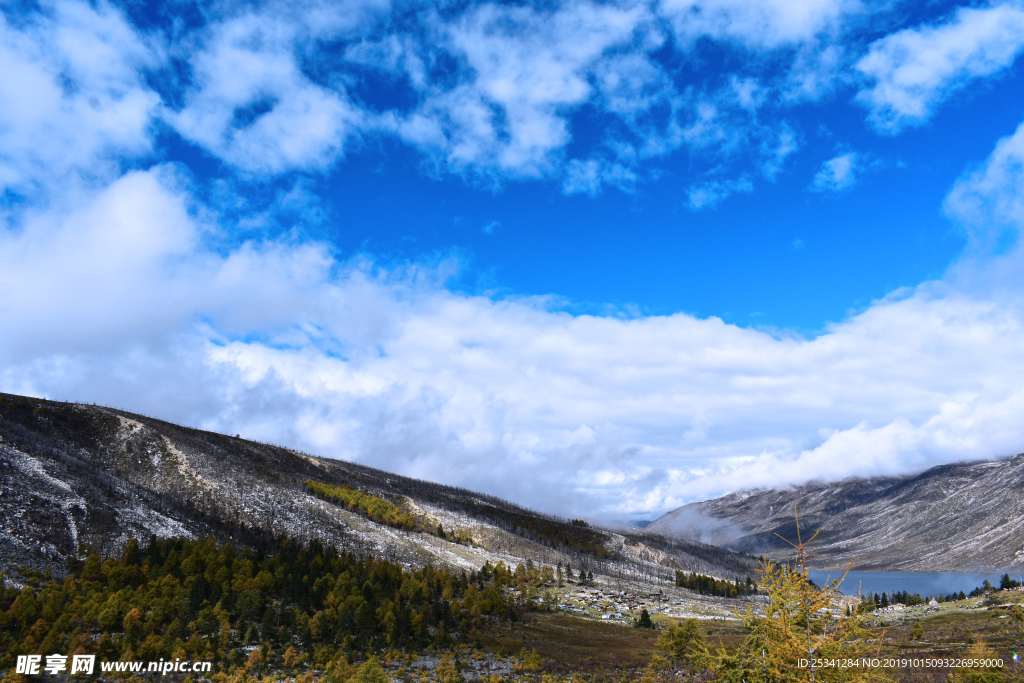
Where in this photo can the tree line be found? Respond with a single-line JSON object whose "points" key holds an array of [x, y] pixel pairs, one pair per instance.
{"points": [[911, 599], [708, 585]]}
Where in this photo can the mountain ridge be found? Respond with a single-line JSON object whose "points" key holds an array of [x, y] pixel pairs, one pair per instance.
{"points": [[73, 475], [951, 517]]}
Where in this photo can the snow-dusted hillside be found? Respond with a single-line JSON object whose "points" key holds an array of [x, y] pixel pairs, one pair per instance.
{"points": [[75, 475], [949, 518]]}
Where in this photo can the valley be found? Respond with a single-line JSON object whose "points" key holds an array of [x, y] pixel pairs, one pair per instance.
{"points": [[508, 593]]}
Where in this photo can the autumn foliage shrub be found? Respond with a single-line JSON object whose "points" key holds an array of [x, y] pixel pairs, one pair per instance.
{"points": [[374, 507]]}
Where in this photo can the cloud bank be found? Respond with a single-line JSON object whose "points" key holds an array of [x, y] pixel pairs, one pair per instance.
{"points": [[615, 415]]}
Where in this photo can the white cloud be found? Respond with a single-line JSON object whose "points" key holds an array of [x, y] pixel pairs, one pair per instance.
{"points": [[385, 54], [252, 105], [73, 97], [525, 70], [759, 25], [526, 73], [748, 92], [587, 177], [492, 394], [776, 151], [836, 174], [818, 70], [583, 177], [988, 201], [631, 83], [492, 91], [281, 342], [709, 194], [915, 69]]}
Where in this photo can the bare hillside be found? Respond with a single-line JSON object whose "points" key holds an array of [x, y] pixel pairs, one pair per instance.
{"points": [[76, 475], [948, 518]]}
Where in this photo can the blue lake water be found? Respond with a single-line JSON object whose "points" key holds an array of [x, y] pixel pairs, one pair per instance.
{"points": [[924, 583]]}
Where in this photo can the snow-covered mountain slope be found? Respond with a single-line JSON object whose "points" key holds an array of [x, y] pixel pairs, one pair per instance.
{"points": [[75, 475], [948, 518]]}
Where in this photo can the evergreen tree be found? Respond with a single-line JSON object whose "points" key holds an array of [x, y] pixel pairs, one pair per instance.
{"points": [[685, 643], [370, 672], [796, 624]]}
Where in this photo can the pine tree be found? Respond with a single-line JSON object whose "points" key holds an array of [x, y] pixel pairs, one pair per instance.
{"points": [[686, 643], [799, 624], [370, 672]]}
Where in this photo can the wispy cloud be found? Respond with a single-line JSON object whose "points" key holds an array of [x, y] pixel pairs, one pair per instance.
{"points": [[987, 202], [838, 173], [491, 92], [762, 25], [250, 102], [916, 69], [710, 193], [588, 177]]}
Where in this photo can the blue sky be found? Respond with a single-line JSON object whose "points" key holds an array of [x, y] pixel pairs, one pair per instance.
{"points": [[815, 254], [619, 256]]}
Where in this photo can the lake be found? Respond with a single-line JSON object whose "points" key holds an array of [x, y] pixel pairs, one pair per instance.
{"points": [[924, 583]]}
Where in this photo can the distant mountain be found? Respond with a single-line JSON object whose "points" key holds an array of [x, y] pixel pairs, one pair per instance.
{"points": [[948, 518], [75, 475]]}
